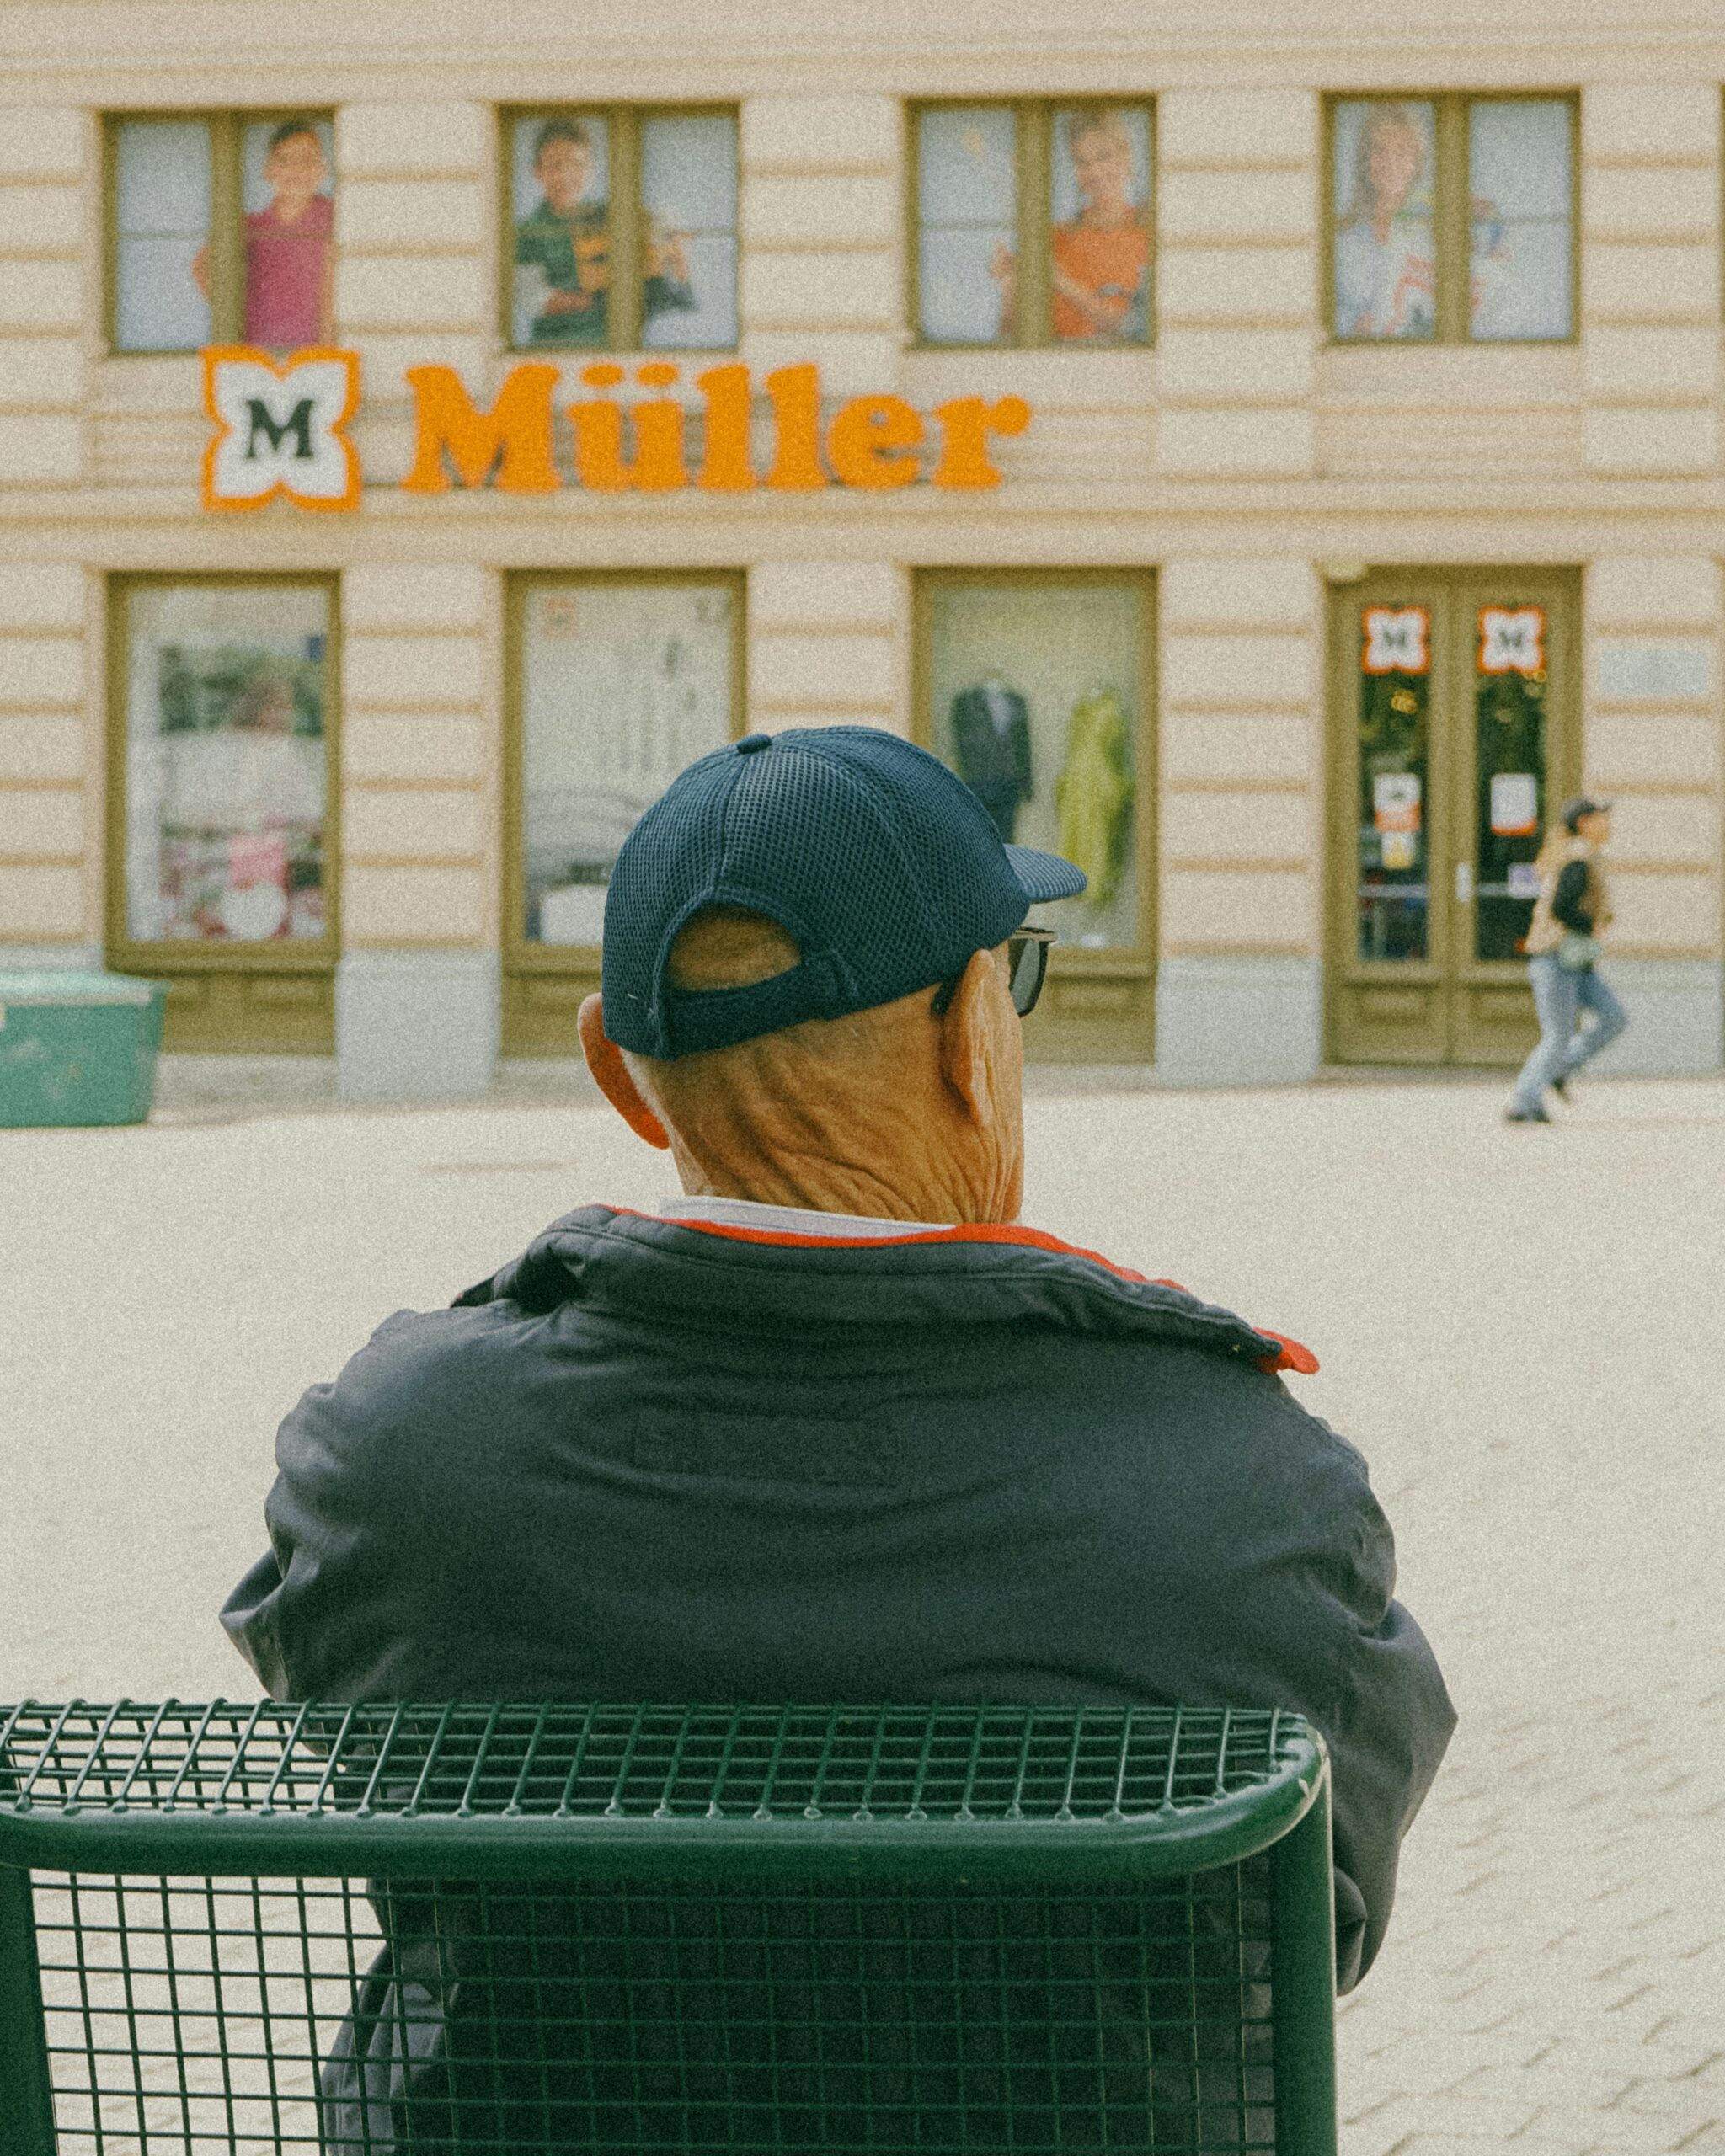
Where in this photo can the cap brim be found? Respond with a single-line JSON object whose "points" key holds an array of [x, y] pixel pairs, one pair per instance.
{"points": [[1044, 876]]}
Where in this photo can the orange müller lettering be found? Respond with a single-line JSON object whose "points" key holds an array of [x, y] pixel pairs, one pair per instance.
{"points": [[515, 435], [968, 421], [863, 439], [795, 396], [725, 464], [598, 423], [605, 375], [659, 468], [657, 374]]}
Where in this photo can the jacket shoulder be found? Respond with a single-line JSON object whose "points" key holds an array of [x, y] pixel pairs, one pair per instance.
{"points": [[422, 1374]]}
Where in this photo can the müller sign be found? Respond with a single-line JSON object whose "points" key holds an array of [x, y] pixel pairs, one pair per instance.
{"points": [[280, 429]]}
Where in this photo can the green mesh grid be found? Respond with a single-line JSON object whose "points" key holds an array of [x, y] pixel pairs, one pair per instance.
{"points": [[910, 1929]]}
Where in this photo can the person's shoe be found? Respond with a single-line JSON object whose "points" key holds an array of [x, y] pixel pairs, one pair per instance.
{"points": [[1526, 1115], [1560, 1086]]}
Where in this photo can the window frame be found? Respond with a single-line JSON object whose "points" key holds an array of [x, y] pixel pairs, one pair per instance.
{"points": [[1451, 216], [1133, 961], [528, 1031], [1033, 150], [225, 126], [174, 955], [625, 225]]}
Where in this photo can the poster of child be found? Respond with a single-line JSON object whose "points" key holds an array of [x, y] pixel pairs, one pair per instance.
{"points": [[290, 227], [1100, 241], [1384, 260], [563, 273]]}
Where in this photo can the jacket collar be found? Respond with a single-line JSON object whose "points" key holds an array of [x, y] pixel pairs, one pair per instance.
{"points": [[722, 1273]]}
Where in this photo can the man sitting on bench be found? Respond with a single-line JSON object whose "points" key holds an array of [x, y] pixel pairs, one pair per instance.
{"points": [[831, 1427]]}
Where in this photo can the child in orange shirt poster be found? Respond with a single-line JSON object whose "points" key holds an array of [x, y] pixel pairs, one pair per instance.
{"points": [[1101, 255]]}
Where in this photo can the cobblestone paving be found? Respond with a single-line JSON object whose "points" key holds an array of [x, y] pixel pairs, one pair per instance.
{"points": [[1521, 1327]]}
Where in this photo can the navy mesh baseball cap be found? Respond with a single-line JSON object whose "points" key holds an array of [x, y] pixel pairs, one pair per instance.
{"points": [[879, 862]]}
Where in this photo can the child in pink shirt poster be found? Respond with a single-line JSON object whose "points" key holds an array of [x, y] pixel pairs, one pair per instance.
{"points": [[289, 255]]}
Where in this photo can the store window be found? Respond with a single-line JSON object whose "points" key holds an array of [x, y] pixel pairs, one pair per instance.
{"points": [[224, 765], [220, 231], [1033, 224], [1452, 220], [622, 231], [620, 682], [1035, 691]]}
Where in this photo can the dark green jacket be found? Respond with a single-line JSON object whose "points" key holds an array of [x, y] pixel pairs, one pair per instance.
{"points": [[652, 1461]]}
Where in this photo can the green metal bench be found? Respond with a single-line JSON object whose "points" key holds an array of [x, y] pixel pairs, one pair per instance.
{"points": [[625, 1928]]}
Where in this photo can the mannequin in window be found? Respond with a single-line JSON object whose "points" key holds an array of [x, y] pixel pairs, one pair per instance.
{"points": [[991, 749], [1093, 793]]}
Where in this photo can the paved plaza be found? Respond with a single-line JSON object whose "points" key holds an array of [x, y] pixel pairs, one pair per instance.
{"points": [[1520, 1327]]}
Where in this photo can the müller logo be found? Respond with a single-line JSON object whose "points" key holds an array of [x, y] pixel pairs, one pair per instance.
{"points": [[280, 430]]}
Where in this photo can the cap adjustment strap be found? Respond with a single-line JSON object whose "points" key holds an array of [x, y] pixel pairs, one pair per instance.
{"points": [[690, 1020]]}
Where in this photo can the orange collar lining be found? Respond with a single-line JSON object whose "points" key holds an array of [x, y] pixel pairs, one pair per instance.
{"points": [[1291, 1355]]}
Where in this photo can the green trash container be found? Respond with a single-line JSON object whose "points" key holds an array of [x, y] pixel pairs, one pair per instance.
{"points": [[77, 1048]]}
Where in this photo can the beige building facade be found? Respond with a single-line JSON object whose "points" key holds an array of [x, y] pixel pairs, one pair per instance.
{"points": [[1352, 387]]}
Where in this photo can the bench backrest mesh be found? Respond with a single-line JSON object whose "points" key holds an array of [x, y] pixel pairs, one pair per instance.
{"points": [[537, 1929]]}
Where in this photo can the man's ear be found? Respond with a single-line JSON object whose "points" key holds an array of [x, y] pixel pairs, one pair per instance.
{"points": [[970, 1045], [613, 1077]]}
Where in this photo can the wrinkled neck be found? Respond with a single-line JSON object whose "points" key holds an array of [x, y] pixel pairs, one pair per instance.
{"points": [[949, 1190]]}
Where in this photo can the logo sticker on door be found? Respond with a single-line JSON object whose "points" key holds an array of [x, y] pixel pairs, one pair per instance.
{"points": [[1512, 642], [1515, 804], [1397, 640]]}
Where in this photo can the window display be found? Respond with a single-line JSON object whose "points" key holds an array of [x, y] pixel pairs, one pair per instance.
{"points": [[1517, 174], [621, 685], [625, 231], [689, 221], [1068, 263], [162, 211], [224, 232], [1035, 691], [1100, 219], [967, 194], [1411, 178], [289, 215], [227, 766], [1386, 256]]}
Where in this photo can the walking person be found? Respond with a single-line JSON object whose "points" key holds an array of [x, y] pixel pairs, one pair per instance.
{"points": [[1573, 911]]}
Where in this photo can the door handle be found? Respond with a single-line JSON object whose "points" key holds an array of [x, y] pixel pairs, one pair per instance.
{"points": [[1464, 883]]}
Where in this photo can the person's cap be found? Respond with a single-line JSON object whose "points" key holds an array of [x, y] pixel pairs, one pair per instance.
{"points": [[1577, 806], [879, 863]]}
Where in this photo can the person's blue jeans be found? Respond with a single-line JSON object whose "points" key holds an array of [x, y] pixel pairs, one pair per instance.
{"points": [[1560, 997]]}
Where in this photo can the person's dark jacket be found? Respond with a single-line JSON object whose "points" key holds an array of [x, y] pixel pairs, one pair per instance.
{"points": [[1570, 899], [663, 1462]]}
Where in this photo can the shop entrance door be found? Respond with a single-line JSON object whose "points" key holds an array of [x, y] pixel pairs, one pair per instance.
{"points": [[1453, 740]]}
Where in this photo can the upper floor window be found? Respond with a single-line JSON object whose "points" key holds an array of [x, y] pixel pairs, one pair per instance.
{"points": [[1033, 224], [622, 231], [1452, 220], [221, 229]]}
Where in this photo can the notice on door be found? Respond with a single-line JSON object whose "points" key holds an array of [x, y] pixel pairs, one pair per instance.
{"points": [[1395, 801], [1515, 804]]}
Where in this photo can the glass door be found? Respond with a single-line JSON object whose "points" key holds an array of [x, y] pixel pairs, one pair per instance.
{"points": [[1452, 741], [1517, 756], [223, 798]]}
